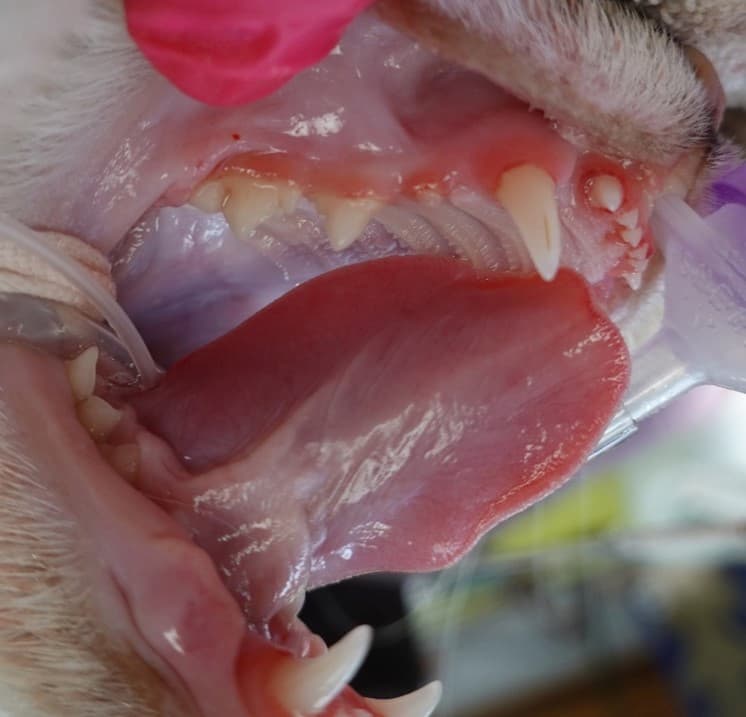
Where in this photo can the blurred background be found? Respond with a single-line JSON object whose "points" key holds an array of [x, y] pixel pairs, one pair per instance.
{"points": [[622, 594]]}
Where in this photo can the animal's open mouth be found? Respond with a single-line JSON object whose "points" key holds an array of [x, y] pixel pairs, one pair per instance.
{"points": [[383, 296]]}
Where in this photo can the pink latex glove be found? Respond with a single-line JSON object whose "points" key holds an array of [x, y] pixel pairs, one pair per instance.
{"points": [[229, 52]]}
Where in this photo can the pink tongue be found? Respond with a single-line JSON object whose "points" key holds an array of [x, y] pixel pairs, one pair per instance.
{"points": [[382, 417]]}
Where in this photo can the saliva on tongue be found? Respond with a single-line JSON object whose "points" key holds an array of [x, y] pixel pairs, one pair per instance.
{"points": [[381, 416]]}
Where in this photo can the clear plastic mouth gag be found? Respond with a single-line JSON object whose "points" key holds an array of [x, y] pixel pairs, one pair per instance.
{"points": [[64, 331]]}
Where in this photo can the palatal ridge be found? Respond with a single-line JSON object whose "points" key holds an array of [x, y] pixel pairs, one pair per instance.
{"points": [[304, 686], [526, 193]]}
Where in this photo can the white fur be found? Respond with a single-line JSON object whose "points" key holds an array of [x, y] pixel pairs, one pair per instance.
{"points": [[593, 63], [54, 659], [67, 67]]}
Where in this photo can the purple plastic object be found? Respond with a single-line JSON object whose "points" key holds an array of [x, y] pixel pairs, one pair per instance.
{"points": [[702, 340], [731, 189]]}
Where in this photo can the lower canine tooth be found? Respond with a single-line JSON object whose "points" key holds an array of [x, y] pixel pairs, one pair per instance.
{"points": [[249, 203], [98, 417], [528, 194], [81, 372], [346, 218], [309, 685], [420, 703], [124, 459]]}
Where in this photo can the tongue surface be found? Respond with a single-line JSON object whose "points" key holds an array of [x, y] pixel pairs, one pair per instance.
{"points": [[382, 417]]}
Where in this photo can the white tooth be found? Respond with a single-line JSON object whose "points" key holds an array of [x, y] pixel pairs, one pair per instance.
{"points": [[346, 218], [309, 685], [420, 703], [124, 459], [606, 192], [632, 236], [81, 372], [98, 417], [249, 203], [527, 193], [629, 218], [209, 197]]}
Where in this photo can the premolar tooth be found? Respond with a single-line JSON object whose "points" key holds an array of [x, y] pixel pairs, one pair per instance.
{"points": [[420, 703], [606, 192], [209, 197], [249, 203], [98, 417], [309, 685], [346, 218], [124, 459], [81, 372], [527, 193]]}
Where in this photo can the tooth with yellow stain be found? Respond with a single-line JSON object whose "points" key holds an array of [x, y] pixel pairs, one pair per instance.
{"points": [[98, 417], [346, 218], [81, 373]]}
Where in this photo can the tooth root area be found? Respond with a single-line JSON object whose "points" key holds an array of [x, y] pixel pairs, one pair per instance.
{"points": [[605, 191], [124, 459], [98, 417], [209, 197], [420, 703], [309, 685], [345, 219], [81, 373], [528, 194]]}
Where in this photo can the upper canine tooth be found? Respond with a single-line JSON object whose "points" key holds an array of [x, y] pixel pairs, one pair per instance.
{"points": [[419, 703], [98, 417], [309, 685], [605, 191], [209, 197], [527, 193], [249, 203], [346, 218], [81, 372]]}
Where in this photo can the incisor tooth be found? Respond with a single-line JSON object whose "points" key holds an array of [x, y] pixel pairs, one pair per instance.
{"points": [[346, 218], [81, 372], [209, 197], [632, 236], [98, 417], [527, 193], [420, 703], [309, 685], [606, 192], [124, 459], [249, 203], [629, 218]]}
